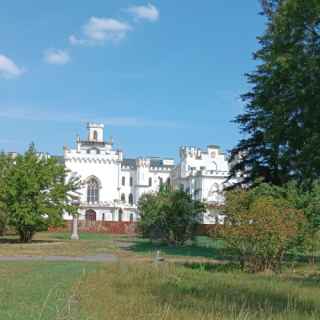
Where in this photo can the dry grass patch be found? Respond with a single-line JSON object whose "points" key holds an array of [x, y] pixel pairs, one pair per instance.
{"points": [[171, 292]]}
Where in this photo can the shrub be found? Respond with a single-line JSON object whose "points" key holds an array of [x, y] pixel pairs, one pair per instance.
{"points": [[260, 227], [169, 216]]}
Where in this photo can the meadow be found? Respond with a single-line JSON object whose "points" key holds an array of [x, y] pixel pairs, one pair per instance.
{"points": [[194, 282]]}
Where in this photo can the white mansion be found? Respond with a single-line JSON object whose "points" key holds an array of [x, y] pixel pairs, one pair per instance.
{"points": [[112, 184]]}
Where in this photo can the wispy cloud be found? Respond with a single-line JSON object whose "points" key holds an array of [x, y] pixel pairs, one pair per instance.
{"points": [[148, 12], [8, 69], [98, 31], [54, 56], [28, 114]]}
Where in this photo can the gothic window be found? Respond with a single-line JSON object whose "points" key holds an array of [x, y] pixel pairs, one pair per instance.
{"points": [[150, 182], [131, 181], [131, 198], [95, 135], [123, 181], [123, 197], [93, 190]]}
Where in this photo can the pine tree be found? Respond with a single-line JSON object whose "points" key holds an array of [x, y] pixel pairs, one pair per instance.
{"points": [[281, 120]]}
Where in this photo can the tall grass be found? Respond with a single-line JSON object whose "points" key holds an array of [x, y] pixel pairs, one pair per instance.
{"points": [[171, 292]]}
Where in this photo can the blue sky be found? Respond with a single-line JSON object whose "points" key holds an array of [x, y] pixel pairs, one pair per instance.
{"points": [[159, 75]]}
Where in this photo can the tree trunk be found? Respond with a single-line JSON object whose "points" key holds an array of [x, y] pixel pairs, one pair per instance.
{"points": [[26, 235]]}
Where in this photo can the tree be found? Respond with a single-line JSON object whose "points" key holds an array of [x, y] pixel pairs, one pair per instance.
{"points": [[35, 193], [282, 112], [170, 216], [260, 225], [5, 165]]}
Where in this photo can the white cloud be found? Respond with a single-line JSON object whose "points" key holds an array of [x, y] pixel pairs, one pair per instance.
{"points": [[100, 30], [37, 114], [8, 69], [148, 12], [54, 56]]}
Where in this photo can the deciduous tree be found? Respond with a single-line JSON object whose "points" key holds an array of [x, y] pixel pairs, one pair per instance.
{"points": [[35, 193]]}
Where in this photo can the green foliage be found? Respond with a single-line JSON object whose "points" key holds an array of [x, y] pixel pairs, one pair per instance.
{"points": [[170, 216], [35, 193], [5, 165], [261, 224], [281, 120]]}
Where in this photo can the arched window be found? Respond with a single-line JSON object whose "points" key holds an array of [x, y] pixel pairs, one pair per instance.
{"points": [[131, 181], [91, 215], [131, 198], [93, 190], [123, 197], [95, 135], [168, 182], [123, 181], [150, 182]]}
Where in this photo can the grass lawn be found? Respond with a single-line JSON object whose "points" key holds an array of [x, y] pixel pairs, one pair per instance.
{"points": [[127, 291], [39, 290], [45, 244], [136, 288]]}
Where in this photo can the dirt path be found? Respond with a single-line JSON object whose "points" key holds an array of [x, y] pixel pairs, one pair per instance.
{"points": [[96, 258]]}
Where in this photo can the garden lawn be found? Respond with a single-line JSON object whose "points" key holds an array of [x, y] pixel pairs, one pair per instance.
{"points": [[126, 291], [40, 290], [131, 247]]}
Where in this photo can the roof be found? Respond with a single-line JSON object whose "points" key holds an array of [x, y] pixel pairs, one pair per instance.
{"points": [[154, 163], [129, 163]]}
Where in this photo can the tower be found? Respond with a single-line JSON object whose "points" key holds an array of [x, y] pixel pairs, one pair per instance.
{"points": [[95, 132]]}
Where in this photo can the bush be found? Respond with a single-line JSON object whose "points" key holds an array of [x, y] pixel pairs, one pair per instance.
{"points": [[260, 227], [169, 216]]}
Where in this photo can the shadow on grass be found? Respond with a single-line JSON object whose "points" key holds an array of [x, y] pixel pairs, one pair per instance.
{"points": [[193, 250], [256, 298], [212, 267], [17, 241]]}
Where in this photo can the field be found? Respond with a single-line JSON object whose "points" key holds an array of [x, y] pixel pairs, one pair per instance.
{"points": [[194, 282]]}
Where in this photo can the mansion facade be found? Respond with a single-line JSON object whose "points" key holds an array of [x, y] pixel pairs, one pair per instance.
{"points": [[112, 184]]}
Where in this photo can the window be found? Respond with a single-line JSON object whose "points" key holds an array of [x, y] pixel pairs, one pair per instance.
{"points": [[131, 181], [131, 198], [160, 181], [91, 215], [95, 135], [168, 181], [123, 181], [93, 191], [150, 182], [131, 217], [103, 217], [123, 197]]}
